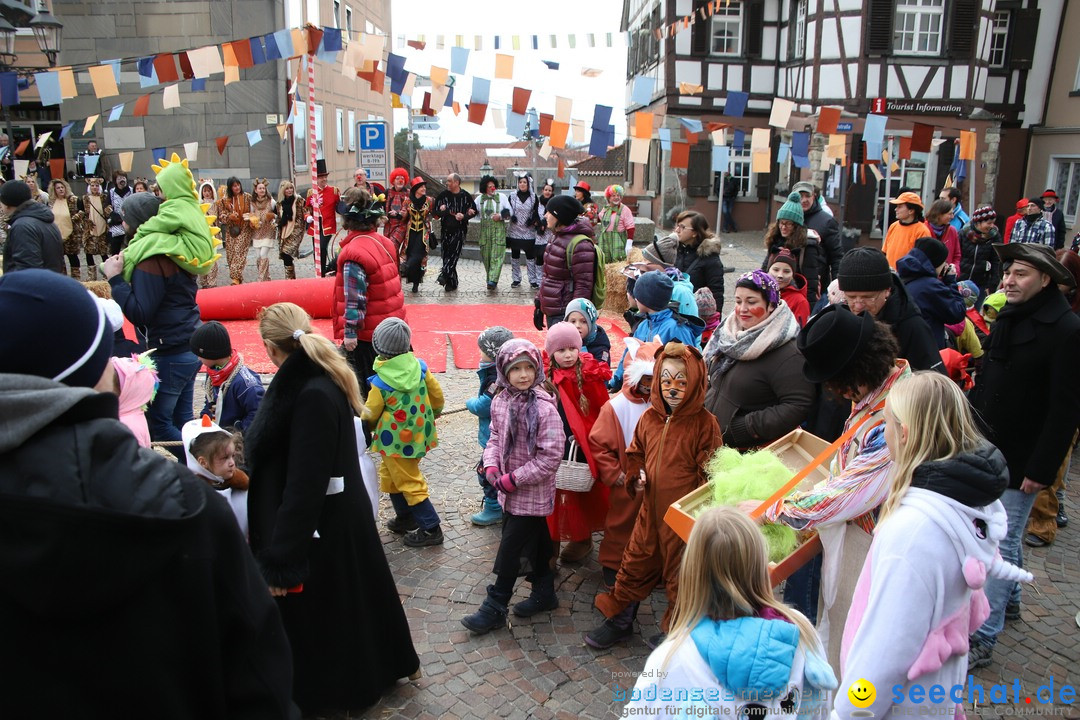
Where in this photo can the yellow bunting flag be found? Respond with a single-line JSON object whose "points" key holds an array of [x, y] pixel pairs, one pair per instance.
{"points": [[126, 159], [91, 120], [104, 81]]}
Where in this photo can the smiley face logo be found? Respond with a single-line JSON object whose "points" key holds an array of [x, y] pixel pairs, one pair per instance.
{"points": [[862, 693]]}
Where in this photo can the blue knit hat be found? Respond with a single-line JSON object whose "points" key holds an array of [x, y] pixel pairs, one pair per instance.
{"points": [[791, 210], [653, 290], [54, 329]]}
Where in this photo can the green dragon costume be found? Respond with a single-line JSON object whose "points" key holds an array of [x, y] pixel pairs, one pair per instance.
{"points": [[181, 230]]}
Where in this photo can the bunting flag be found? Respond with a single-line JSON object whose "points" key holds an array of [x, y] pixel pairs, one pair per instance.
{"points": [[191, 151], [254, 137], [221, 143], [126, 159]]}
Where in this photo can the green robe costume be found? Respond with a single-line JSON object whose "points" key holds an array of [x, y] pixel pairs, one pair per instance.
{"points": [[492, 235]]}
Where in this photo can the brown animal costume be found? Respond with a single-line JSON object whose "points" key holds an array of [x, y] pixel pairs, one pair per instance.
{"points": [[95, 224], [233, 213], [70, 222], [672, 447], [290, 227], [208, 280]]}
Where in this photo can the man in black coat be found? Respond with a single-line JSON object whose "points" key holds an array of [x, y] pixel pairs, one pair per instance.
{"points": [[828, 229], [33, 238], [129, 590], [1027, 401], [1053, 215]]}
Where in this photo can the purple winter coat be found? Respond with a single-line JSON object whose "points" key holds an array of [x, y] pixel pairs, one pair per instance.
{"points": [[558, 287]]}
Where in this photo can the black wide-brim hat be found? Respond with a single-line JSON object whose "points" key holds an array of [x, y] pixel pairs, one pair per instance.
{"points": [[1039, 256], [831, 340]]}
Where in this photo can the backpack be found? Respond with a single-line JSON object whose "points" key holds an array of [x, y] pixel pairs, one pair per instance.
{"points": [[599, 288]]}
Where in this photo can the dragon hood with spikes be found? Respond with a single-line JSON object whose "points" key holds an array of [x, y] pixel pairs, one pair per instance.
{"points": [[181, 230]]}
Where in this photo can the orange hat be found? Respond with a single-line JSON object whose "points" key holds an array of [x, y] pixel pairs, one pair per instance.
{"points": [[907, 197]]}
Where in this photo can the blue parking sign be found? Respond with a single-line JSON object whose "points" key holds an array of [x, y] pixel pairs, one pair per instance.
{"points": [[372, 135]]}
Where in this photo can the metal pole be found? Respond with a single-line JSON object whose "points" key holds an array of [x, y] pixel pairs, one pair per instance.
{"points": [[316, 193], [412, 146]]}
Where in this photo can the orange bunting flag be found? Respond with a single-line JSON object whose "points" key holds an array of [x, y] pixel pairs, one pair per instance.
{"points": [[680, 155], [559, 131], [643, 125], [967, 145], [477, 112], [828, 118], [221, 143], [142, 106]]}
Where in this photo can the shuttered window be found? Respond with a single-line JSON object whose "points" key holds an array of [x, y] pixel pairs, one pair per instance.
{"points": [[918, 27], [965, 15], [699, 172], [879, 24]]}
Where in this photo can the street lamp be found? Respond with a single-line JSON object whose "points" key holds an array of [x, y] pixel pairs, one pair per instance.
{"points": [[485, 169], [47, 31]]}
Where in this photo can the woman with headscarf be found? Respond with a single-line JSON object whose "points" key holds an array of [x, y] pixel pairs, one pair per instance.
{"points": [[420, 209], [290, 226], [493, 211], [756, 386], [234, 212], [521, 233], [543, 233], [312, 529], [69, 221], [615, 226]]}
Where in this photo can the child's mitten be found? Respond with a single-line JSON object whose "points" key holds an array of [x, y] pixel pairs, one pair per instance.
{"points": [[505, 483]]}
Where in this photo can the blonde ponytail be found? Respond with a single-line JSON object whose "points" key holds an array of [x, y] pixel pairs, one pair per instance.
{"points": [[288, 327]]}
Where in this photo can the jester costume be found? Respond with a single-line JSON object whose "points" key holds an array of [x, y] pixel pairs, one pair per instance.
{"points": [[397, 215], [421, 208], [493, 211], [614, 227]]}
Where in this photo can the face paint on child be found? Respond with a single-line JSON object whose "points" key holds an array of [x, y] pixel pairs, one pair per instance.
{"points": [[644, 388], [783, 274], [566, 357], [673, 382]]}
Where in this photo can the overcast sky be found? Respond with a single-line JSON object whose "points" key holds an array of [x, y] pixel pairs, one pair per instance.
{"points": [[471, 18]]}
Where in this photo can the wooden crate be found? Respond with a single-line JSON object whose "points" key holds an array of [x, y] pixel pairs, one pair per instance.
{"points": [[796, 450]]}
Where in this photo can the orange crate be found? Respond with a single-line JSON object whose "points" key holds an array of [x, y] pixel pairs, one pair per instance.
{"points": [[796, 450]]}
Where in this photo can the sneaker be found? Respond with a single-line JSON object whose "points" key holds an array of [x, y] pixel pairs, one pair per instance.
{"points": [[401, 524], [492, 285], [1012, 610], [1033, 540], [534, 286], [423, 538], [980, 655], [515, 284], [1062, 519], [653, 641], [608, 634]]}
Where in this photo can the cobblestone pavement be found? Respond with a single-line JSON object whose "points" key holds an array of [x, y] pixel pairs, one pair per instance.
{"points": [[539, 667]]}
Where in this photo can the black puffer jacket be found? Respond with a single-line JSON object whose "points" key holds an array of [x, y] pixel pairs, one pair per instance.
{"points": [[917, 344], [828, 229], [978, 261], [702, 263], [562, 283], [127, 582], [33, 240]]}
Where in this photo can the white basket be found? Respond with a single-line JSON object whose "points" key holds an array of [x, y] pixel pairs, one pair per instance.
{"points": [[572, 475]]}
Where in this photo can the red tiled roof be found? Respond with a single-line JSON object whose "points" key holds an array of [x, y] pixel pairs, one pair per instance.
{"points": [[612, 165], [466, 159]]}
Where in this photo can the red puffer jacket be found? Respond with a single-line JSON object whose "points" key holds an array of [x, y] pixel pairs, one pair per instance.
{"points": [[377, 256], [558, 286]]}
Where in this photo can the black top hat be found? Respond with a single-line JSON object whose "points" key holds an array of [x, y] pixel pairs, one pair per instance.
{"points": [[832, 339], [320, 168]]}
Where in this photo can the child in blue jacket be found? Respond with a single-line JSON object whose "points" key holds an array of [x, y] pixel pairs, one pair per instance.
{"points": [[489, 341], [232, 391], [652, 291]]}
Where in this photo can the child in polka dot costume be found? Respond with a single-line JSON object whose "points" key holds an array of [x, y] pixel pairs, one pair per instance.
{"points": [[402, 405]]}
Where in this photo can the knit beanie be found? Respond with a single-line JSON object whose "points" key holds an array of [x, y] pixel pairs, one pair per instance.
{"points": [[392, 337], [969, 293], [984, 213], [14, 193], [864, 269], [653, 290], [211, 341], [566, 209], [560, 336], [54, 328], [785, 256], [491, 339], [138, 208], [791, 210], [706, 303], [934, 250], [661, 252]]}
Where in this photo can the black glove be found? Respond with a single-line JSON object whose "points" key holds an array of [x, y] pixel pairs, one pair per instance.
{"points": [[513, 220], [538, 315], [433, 242]]}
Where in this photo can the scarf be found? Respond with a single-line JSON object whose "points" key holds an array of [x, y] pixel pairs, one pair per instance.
{"points": [[521, 404], [286, 211], [936, 230], [729, 344], [1014, 314], [218, 376]]}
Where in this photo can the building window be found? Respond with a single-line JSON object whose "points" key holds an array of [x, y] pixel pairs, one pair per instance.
{"points": [[294, 16], [313, 12], [739, 167], [918, 27], [726, 36], [999, 37], [348, 20], [1065, 179], [799, 28], [352, 130], [301, 151], [339, 122]]}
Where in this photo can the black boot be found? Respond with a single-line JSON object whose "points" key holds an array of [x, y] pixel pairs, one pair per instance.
{"points": [[614, 630], [540, 599], [491, 615]]}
